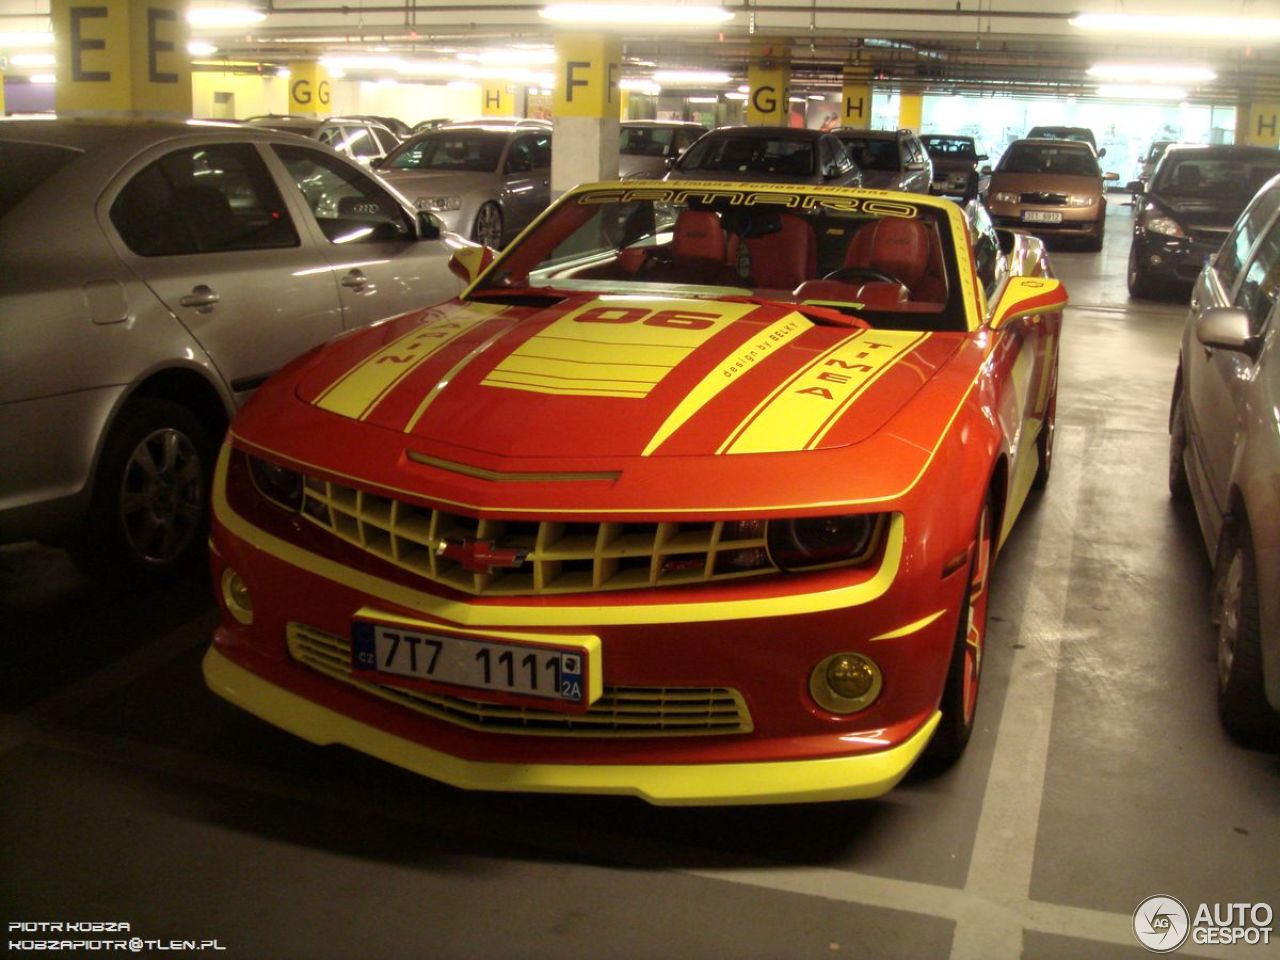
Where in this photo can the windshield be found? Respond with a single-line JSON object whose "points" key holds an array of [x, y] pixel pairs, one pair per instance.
{"points": [[646, 141], [1049, 158], [752, 154], [873, 154], [843, 258], [26, 166], [475, 150], [1208, 178], [950, 148]]}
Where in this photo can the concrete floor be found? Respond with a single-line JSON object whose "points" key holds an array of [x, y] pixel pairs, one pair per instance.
{"points": [[1099, 775]]}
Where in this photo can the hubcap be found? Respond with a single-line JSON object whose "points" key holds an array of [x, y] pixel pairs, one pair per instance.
{"points": [[1229, 622], [489, 227], [161, 496]]}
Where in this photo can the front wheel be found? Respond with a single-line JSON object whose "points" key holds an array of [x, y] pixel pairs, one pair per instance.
{"points": [[488, 226], [1179, 485], [1242, 699], [1140, 284], [960, 695], [149, 512], [1044, 442]]}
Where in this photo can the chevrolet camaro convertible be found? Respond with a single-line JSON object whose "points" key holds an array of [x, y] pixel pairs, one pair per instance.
{"points": [[693, 495]]}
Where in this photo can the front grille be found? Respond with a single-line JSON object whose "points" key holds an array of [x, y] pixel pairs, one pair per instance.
{"points": [[620, 711], [554, 557], [1045, 199]]}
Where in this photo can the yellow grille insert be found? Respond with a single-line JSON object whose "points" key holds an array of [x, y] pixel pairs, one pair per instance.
{"points": [[620, 712], [555, 557]]}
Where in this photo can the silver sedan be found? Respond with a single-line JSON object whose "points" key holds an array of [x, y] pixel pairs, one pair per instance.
{"points": [[154, 275], [484, 181], [1225, 456]]}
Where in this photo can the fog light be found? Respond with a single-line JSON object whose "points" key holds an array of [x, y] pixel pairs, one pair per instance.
{"points": [[235, 595], [845, 682]]}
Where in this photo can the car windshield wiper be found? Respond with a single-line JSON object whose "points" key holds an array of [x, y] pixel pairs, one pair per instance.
{"points": [[825, 316], [519, 296]]}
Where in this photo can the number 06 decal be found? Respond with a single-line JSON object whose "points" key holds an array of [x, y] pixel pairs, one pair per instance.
{"points": [[681, 319]]}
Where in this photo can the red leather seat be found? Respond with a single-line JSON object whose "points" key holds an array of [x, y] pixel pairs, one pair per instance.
{"points": [[906, 250], [785, 258], [701, 252]]}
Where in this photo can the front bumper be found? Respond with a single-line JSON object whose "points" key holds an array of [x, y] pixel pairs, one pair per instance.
{"points": [[1172, 259], [829, 779]]}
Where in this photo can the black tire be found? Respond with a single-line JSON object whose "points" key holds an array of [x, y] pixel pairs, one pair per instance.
{"points": [[1094, 244], [149, 512], [1179, 485], [1141, 284], [1044, 442], [960, 694], [488, 226], [1242, 699]]}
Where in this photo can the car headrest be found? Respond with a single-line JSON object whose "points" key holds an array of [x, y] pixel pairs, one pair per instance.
{"points": [[699, 236], [895, 246]]}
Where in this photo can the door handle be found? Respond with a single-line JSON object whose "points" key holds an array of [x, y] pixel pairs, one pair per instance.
{"points": [[355, 280], [202, 297]]}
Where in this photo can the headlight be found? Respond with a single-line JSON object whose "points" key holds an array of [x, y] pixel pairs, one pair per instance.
{"points": [[1076, 200], [1166, 226], [1001, 197], [278, 484], [812, 542], [437, 204]]}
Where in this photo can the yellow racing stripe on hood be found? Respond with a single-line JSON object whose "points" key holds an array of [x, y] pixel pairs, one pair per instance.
{"points": [[361, 388], [799, 413]]}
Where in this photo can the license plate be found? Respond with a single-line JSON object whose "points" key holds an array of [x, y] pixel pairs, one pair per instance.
{"points": [[547, 672], [1041, 216]]}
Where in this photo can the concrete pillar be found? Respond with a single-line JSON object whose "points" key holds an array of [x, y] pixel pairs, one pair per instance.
{"points": [[585, 110], [910, 111], [497, 98], [122, 58], [310, 93], [855, 98], [1261, 122], [769, 80]]}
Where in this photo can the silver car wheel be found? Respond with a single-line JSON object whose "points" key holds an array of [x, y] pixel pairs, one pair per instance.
{"points": [[1232, 592], [162, 496], [488, 227]]}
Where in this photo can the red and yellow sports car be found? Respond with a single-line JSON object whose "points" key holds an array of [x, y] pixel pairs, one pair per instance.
{"points": [[693, 495]]}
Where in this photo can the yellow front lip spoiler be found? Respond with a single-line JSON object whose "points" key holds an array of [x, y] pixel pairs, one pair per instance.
{"points": [[789, 781]]}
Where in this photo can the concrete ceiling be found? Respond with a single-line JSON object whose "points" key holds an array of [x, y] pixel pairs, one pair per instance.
{"points": [[1022, 47]]}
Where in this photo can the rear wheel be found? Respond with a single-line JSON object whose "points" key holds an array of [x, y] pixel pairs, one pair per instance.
{"points": [[1242, 700], [149, 512], [960, 695], [1179, 486]]}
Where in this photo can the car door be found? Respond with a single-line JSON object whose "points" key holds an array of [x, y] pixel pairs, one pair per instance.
{"points": [[526, 179], [1224, 375], [206, 228], [369, 238]]}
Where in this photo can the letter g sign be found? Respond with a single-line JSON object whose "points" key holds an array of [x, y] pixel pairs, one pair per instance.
{"points": [[763, 99]]}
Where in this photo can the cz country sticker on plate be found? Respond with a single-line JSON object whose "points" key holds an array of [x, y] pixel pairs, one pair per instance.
{"points": [[509, 667]]}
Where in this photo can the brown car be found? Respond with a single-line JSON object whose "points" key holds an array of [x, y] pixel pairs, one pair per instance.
{"points": [[1052, 188]]}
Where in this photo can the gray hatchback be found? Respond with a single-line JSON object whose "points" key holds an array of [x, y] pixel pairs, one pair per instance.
{"points": [[154, 274], [768, 154]]}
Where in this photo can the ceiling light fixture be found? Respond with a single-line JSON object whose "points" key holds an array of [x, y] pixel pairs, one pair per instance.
{"points": [[1141, 91], [703, 99], [201, 48], [690, 78], [32, 60], [1245, 28], [224, 16], [611, 14], [1151, 73], [27, 38]]}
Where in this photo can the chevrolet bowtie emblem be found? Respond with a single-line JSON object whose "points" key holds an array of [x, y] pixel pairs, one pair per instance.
{"points": [[480, 556]]}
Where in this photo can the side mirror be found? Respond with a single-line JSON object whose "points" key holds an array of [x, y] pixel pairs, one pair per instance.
{"points": [[428, 226], [981, 156], [986, 171], [377, 162], [1026, 297], [1102, 153], [1227, 328], [471, 261], [1111, 175]]}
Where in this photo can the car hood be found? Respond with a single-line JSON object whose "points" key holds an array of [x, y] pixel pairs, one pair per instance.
{"points": [[611, 379], [1215, 214], [439, 182], [881, 179], [1044, 183]]}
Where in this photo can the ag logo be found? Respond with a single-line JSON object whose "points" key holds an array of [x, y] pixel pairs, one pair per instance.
{"points": [[1161, 924]]}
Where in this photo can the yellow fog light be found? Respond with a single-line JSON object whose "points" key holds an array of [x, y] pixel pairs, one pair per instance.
{"points": [[845, 682], [235, 594]]}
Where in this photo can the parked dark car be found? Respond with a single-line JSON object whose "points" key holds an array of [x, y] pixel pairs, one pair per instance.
{"points": [[1187, 209], [958, 167], [1079, 134], [889, 159], [647, 148], [781, 154]]}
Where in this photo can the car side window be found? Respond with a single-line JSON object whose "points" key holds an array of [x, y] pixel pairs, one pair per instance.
{"points": [[207, 199], [1235, 248], [520, 156], [360, 142], [349, 205], [386, 139], [987, 256], [1260, 288], [541, 151]]}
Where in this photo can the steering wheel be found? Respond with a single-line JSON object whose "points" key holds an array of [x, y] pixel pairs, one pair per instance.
{"points": [[851, 274]]}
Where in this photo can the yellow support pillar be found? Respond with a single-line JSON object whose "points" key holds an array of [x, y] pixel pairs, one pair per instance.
{"points": [[910, 111], [497, 99], [122, 58], [769, 80], [1263, 125], [585, 109], [310, 93]]}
